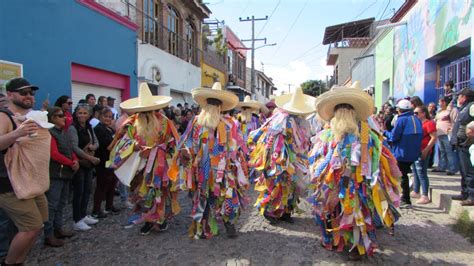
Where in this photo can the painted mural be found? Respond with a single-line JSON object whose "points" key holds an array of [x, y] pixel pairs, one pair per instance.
{"points": [[432, 27]]}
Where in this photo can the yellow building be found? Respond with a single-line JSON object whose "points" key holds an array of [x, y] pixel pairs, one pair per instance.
{"points": [[209, 75]]}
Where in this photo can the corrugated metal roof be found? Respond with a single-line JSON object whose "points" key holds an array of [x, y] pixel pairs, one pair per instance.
{"points": [[353, 29]]}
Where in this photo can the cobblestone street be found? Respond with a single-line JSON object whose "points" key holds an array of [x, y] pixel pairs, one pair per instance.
{"points": [[422, 236]]}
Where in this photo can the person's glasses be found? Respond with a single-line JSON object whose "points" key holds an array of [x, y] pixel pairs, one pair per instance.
{"points": [[59, 115], [69, 103], [24, 93], [416, 113]]}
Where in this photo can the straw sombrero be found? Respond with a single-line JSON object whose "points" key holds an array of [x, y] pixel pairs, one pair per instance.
{"points": [[229, 99], [296, 103], [145, 101], [354, 96], [248, 103]]}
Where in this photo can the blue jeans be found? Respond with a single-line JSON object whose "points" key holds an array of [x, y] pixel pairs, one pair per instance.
{"points": [[467, 173], [7, 232], [447, 156], [123, 189], [420, 174], [57, 195], [435, 155], [82, 187]]}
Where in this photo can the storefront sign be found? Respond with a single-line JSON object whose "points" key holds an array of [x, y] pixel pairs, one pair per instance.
{"points": [[9, 70]]}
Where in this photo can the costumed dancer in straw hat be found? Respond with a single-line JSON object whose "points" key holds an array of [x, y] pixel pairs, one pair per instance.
{"points": [[354, 183], [211, 164], [249, 116], [140, 152], [278, 153]]}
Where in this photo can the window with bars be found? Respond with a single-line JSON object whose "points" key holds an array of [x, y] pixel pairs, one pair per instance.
{"points": [[458, 71], [230, 61], [190, 41], [173, 30], [150, 24]]}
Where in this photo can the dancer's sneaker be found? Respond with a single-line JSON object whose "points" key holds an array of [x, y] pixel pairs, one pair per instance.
{"points": [[146, 228], [230, 230], [286, 217]]}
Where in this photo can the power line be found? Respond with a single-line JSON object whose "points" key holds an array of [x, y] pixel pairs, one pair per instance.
{"points": [[383, 13], [245, 8], [273, 11], [292, 25], [336, 32], [363, 11], [252, 73]]}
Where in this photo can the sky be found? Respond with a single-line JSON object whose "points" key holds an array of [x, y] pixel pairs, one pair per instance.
{"points": [[297, 27]]}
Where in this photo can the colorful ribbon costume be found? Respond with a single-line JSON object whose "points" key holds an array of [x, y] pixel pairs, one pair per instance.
{"points": [[278, 154], [154, 194], [216, 174], [354, 188], [247, 127]]}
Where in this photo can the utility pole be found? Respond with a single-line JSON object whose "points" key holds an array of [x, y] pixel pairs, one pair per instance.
{"points": [[289, 87], [252, 74]]}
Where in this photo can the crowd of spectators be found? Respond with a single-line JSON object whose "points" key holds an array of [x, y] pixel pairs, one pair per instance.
{"points": [[419, 135], [427, 136]]}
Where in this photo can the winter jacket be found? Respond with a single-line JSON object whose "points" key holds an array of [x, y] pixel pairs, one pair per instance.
{"points": [[406, 137]]}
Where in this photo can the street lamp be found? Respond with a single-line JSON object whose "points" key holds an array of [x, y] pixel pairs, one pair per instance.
{"points": [[270, 44], [249, 48]]}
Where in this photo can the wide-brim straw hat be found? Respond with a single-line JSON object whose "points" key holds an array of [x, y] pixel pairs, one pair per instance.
{"points": [[249, 103], [145, 101], [361, 101], [297, 103], [229, 99]]}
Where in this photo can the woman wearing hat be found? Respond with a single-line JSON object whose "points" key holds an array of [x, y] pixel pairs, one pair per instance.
{"points": [[354, 177], [211, 164], [154, 137], [278, 153]]}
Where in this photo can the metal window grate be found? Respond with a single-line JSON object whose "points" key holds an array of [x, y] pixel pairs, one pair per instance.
{"points": [[458, 71]]}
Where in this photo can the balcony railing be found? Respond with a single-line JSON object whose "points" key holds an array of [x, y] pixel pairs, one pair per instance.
{"points": [[349, 43], [160, 36]]}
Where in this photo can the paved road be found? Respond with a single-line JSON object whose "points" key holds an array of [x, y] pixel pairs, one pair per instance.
{"points": [[422, 236]]}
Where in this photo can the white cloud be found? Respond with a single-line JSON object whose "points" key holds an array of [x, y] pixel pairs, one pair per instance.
{"points": [[295, 73], [322, 70]]}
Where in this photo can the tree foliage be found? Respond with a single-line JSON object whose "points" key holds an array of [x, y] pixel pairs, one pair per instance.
{"points": [[313, 87], [219, 42]]}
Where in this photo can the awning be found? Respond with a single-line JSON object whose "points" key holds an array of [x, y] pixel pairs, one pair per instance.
{"points": [[353, 29], [235, 87]]}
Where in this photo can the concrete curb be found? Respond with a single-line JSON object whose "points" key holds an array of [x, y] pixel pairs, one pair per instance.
{"points": [[442, 187]]}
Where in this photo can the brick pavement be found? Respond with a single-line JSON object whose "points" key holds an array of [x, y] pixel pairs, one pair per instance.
{"points": [[422, 236]]}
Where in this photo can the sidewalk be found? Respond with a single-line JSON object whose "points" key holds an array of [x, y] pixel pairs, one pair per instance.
{"points": [[442, 187]]}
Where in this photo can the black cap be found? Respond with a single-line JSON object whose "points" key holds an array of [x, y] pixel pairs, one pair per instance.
{"points": [[17, 84], [110, 98], [466, 92]]}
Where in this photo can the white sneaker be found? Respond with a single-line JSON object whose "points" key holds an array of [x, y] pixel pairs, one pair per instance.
{"points": [[89, 220], [81, 226], [127, 204]]}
